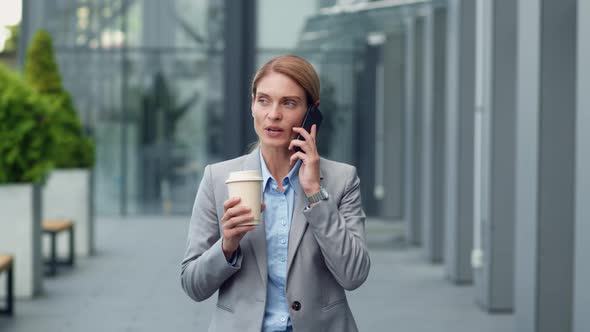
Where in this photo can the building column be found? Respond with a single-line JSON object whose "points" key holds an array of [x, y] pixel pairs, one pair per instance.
{"points": [[460, 93], [545, 156], [433, 118], [582, 203], [426, 30], [365, 90], [389, 124], [239, 61], [411, 197], [418, 131], [493, 253]]}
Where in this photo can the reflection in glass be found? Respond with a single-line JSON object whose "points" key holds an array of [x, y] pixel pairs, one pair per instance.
{"points": [[150, 94]]}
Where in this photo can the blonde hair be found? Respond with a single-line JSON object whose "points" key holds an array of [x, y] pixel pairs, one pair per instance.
{"points": [[297, 69]]}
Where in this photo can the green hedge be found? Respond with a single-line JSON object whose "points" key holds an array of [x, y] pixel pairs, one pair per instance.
{"points": [[73, 148], [26, 141]]}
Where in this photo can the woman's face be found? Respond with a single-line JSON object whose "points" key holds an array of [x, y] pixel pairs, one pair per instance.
{"points": [[278, 106]]}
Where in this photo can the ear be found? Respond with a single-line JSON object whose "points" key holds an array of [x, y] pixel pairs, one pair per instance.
{"points": [[317, 103]]}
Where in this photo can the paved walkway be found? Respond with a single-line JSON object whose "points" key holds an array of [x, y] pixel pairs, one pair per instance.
{"points": [[132, 284]]}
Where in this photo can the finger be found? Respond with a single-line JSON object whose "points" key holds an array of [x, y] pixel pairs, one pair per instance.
{"points": [[239, 220], [236, 221], [235, 211], [295, 156], [301, 144], [303, 133], [232, 201], [238, 231], [314, 131]]}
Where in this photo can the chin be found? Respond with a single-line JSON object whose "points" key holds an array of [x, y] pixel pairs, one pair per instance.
{"points": [[275, 144]]}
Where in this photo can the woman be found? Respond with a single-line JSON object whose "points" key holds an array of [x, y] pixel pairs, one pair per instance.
{"points": [[289, 273]]}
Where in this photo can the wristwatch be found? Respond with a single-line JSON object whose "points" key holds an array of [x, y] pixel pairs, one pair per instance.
{"points": [[321, 195]]}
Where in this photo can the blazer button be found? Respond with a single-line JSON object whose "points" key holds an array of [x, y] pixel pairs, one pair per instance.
{"points": [[296, 306]]}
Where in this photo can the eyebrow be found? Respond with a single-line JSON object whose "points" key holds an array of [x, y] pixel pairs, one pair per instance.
{"points": [[262, 94]]}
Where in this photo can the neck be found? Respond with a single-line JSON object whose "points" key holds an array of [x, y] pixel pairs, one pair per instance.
{"points": [[277, 161]]}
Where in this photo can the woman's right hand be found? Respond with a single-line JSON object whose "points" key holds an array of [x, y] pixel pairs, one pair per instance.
{"points": [[233, 231]]}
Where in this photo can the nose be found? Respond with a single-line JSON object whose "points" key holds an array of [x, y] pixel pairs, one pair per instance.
{"points": [[274, 113]]}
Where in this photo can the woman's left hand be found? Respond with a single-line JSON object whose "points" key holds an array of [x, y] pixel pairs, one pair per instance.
{"points": [[309, 172]]}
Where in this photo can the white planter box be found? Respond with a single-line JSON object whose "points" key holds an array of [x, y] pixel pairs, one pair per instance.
{"points": [[20, 235], [68, 195]]}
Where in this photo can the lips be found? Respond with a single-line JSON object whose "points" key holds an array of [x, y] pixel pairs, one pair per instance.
{"points": [[273, 132], [274, 129]]}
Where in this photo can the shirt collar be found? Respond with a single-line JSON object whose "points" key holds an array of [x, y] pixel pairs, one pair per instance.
{"points": [[293, 175]]}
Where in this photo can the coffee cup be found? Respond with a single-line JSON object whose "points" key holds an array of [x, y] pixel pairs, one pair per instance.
{"points": [[248, 186]]}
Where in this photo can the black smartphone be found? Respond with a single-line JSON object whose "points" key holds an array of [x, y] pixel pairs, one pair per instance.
{"points": [[312, 116]]}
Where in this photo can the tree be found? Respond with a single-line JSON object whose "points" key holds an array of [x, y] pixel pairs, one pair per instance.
{"points": [[73, 149], [25, 131]]}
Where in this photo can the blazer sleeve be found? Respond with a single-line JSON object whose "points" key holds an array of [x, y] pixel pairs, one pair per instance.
{"points": [[339, 228], [204, 267]]}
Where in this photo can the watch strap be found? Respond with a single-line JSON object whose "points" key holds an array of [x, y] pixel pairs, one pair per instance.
{"points": [[320, 195]]}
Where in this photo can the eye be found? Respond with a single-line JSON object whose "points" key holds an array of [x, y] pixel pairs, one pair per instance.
{"points": [[290, 103], [262, 101]]}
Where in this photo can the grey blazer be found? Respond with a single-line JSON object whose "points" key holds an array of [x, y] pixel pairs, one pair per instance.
{"points": [[327, 254]]}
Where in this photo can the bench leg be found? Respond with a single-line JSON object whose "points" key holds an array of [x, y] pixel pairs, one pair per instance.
{"points": [[72, 253], [9, 309], [53, 256], [10, 290], [53, 261]]}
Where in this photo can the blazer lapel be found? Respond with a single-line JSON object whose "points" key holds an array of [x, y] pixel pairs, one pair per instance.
{"points": [[257, 237], [298, 224]]}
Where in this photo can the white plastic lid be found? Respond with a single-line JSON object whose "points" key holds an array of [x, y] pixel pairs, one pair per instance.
{"points": [[252, 175]]}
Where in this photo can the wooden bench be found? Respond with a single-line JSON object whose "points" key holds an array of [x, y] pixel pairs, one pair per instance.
{"points": [[6, 264], [53, 228]]}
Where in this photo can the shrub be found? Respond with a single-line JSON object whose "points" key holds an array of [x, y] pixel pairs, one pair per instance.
{"points": [[73, 149], [26, 141], [12, 42]]}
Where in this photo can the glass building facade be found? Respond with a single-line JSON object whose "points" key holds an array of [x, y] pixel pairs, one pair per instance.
{"points": [[150, 80], [147, 81]]}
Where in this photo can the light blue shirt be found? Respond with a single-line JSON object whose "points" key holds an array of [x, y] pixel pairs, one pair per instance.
{"points": [[277, 222]]}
